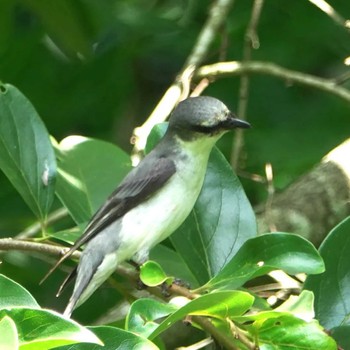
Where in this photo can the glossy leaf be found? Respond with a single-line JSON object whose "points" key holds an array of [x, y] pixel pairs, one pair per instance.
{"points": [[68, 236], [26, 154], [260, 255], [332, 288], [289, 332], [89, 171], [341, 335], [218, 304], [144, 312], [221, 221], [114, 339], [152, 274], [13, 294], [8, 334], [42, 329], [173, 264], [300, 306]]}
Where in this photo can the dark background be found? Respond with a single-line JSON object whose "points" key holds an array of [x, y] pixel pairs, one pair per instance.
{"points": [[98, 68]]}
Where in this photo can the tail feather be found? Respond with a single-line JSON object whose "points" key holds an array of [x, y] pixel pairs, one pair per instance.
{"points": [[66, 281]]}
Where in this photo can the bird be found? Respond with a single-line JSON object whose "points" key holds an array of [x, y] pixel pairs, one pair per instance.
{"points": [[154, 198]]}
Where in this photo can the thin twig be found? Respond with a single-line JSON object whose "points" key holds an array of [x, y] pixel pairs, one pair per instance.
{"points": [[32, 230], [222, 338], [240, 335], [330, 11], [251, 40], [217, 15], [233, 68], [270, 195], [7, 244], [177, 91]]}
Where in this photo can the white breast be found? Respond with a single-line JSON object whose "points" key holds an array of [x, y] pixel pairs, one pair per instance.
{"points": [[157, 218]]}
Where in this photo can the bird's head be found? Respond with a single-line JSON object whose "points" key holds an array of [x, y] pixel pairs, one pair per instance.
{"points": [[203, 116]]}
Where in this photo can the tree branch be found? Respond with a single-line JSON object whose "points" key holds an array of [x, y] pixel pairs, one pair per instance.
{"points": [[234, 68], [179, 89], [251, 40], [48, 249], [316, 202]]}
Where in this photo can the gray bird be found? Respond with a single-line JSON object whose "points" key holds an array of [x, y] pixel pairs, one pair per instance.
{"points": [[154, 199]]}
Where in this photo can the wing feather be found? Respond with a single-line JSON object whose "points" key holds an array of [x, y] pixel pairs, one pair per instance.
{"points": [[138, 185]]}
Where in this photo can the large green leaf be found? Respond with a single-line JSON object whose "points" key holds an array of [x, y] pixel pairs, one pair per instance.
{"points": [[221, 221], [332, 288], [13, 294], [89, 170], [26, 154], [288, 332], [114, 339], [265, 253], [43, 329], [218, 305]]}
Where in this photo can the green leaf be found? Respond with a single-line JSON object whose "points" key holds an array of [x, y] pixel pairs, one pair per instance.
{"points": [[300, 306], [289, 332], [26, 154], [8, 334], [152, 274], [44, 329], [173, 264], [332, 288], [341, 335], [144, 312], [217, 304], [114, 339], [68, 236], [13, 294], [89, 170], [221, 221], [260, 255]]}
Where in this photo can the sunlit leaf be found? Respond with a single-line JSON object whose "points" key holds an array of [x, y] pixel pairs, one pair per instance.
{"points": [[89, 170], [260, 255], [13, 294], [43, 329]]}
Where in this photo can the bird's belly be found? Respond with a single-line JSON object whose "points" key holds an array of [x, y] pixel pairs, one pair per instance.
{"points": [[158, 217]]}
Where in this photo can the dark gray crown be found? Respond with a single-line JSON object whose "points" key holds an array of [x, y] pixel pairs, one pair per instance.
{"points": [[201, 111]]}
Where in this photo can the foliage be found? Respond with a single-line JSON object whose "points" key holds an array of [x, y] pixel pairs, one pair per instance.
{"points": [[99, 74], [218, 294]]}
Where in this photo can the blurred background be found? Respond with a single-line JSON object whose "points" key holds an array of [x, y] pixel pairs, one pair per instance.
{"points": [[98, 68]]}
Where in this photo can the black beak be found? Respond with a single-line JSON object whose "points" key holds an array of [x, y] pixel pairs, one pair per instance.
{"points": [[233, 122]]}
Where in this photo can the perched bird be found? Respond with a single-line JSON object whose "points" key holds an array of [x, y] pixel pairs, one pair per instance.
{"points": [[154, 199]]}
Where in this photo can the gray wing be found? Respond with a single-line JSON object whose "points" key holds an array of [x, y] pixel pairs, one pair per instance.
{"points": [[138, 185]]}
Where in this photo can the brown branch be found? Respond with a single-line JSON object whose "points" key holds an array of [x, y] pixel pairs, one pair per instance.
{"points": [[234, 68], [217, 15], [35, 247], [222, 338], [178, 89], [313, 204]]}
